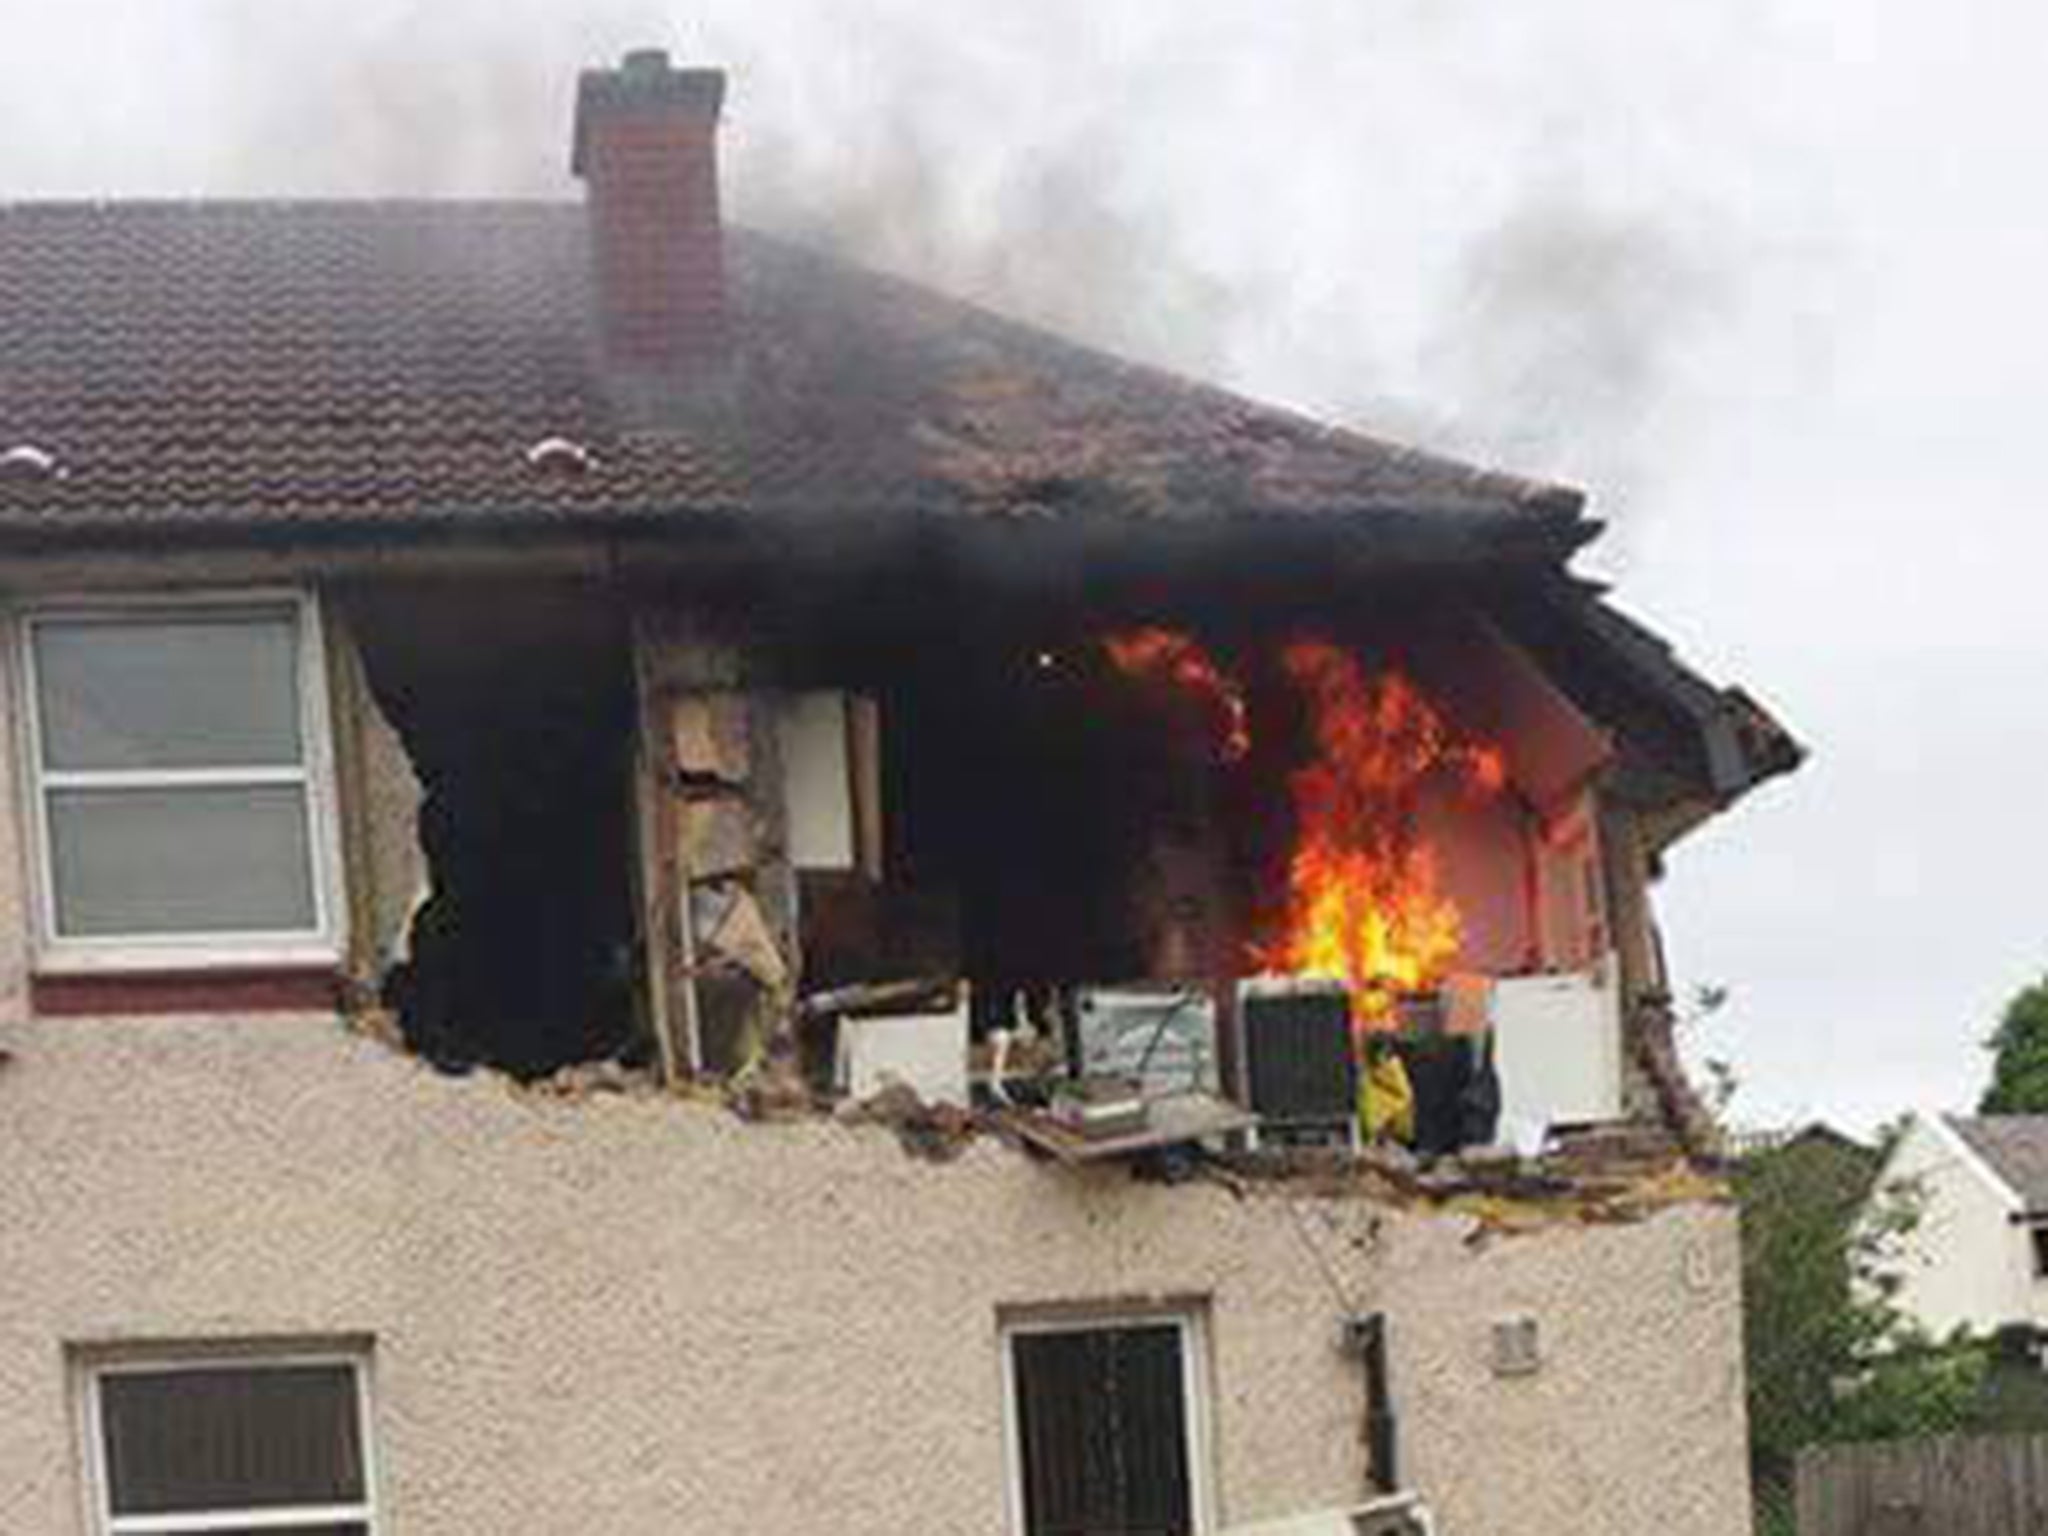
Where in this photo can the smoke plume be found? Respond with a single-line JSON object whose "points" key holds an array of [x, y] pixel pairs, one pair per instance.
{"points": [[1495, 233]]}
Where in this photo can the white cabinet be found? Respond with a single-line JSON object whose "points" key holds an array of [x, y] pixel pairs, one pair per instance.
{"points": [[1557, 1043]]}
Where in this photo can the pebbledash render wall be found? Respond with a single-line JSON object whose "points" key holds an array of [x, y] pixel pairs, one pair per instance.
{"points": [[637, 1314]]}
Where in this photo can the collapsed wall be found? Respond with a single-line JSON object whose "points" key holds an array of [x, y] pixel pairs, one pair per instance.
{"points": [[510, 717]]}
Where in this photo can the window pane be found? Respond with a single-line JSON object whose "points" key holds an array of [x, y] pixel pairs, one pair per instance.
{"points": [[1104, 1432], [182, 1442], [173, 861], [180, 691], [353, 1529]]}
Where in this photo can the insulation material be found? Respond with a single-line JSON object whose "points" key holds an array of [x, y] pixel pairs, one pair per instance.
{"points": [[388, 878]]}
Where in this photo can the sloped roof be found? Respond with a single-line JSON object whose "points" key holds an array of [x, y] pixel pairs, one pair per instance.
{"points": [[2015, 1147], [227, 365]]}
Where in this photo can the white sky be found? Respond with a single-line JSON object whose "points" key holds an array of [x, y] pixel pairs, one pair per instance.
{"points": [[1763, 274]]}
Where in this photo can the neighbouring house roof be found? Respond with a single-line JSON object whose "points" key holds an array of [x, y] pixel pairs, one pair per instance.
{"points": [[2015, 1148], [217, 366]]}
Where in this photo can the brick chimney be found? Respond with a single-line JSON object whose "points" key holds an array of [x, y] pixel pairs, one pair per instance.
{"points": [[646, 149]]}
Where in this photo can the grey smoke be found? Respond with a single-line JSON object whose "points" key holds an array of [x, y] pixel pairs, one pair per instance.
{"points": [[1301, 202], [1570, 333]]}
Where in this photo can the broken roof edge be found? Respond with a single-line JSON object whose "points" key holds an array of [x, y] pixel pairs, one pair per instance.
{"points": [[1744, 744]]}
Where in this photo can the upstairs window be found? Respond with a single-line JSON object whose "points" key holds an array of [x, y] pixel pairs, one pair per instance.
{"points": [[179, 801], [231, 1445]]}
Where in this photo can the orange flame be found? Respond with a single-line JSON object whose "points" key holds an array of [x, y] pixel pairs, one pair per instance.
{"points": [[1364, 907], [1177, 659]]}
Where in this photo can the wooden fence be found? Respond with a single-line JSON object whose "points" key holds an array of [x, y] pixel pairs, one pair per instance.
{"points": [[1957, 1486]]}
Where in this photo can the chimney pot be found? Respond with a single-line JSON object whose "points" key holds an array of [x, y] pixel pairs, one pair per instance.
{"points": [[646, 149]]}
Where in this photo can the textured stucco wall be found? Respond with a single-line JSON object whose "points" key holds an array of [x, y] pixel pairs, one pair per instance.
{"points": [[641, 1315]]}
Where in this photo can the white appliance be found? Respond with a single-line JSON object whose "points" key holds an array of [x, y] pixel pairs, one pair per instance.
{"points": [[923, 1051], [1400, 1514], [1557, 1044], [1164, 1037]]}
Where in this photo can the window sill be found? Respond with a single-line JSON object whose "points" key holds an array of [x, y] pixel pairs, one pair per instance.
{"points": [[281, 987], [203, 957]]}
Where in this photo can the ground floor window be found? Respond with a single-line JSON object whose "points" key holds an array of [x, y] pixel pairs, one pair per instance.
{"points": [[230, 1444], [1104, 1425]]}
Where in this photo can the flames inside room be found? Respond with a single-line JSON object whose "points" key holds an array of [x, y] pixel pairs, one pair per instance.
{"points": [[1126, 876], [1322, 872]]}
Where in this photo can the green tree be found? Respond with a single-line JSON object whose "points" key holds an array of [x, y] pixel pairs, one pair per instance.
{"points": [[2019, 1047]]}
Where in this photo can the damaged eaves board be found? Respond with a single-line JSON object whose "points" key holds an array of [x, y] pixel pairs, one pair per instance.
{"points": [[1170, 1122]]}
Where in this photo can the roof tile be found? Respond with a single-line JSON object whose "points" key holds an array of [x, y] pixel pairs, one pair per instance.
{"points": [[231, 364]]}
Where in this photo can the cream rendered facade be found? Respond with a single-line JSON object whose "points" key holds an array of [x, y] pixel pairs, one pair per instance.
{"points": [[638, 1314]]}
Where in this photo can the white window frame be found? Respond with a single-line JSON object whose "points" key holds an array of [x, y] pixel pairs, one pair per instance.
{"points": [[1191, 1321], [322, 943], [223, 1358]]}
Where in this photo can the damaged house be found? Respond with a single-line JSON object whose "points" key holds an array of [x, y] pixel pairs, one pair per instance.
{"points": [[655, 883]]}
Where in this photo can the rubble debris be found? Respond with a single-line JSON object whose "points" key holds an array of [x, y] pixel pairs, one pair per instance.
{"points": [[585, 1079], [1655, 1044], [926, 1050], [373, 1021], [937, 1132], [1169, 1121], [1500, 1192], [1099, 1108], [770, 1085]]}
